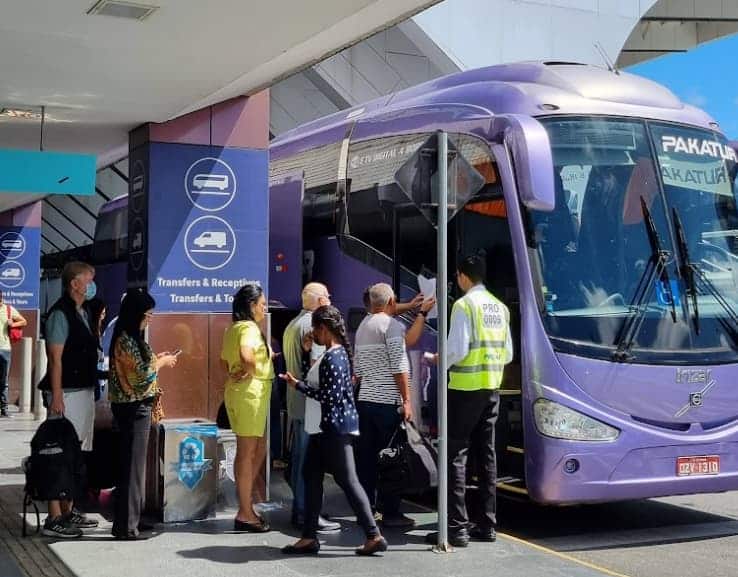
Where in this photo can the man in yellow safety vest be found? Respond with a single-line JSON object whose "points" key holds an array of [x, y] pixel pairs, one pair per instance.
{"points": [[479, 347]]}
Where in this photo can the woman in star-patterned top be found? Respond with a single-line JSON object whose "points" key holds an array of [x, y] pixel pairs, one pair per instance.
{"points": [[331, 451]]}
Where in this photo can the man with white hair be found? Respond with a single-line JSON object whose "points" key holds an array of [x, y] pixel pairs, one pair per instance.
{"points": [[383, 370], [299, 354]]}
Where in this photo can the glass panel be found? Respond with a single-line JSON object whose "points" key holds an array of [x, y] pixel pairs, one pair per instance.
{"points": [[374, 195], [698, 169], [593, 249]]}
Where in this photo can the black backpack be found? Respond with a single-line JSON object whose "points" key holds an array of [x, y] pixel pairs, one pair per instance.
{"points": [[55, 468]]}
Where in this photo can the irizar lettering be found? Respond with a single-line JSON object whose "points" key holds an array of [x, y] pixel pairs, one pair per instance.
{"points": [[698, 147], [693, 375]]}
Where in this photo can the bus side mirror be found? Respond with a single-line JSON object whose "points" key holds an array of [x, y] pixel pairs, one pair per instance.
{"points": [[528, 142]]}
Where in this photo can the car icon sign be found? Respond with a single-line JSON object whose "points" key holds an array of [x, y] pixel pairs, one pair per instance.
{"points": [[11, 273], [210, 238]]}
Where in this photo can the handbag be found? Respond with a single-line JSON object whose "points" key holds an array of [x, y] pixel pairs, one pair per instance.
{"points": [[15, 333], [157, 409], [408, 465], [313, 409]]}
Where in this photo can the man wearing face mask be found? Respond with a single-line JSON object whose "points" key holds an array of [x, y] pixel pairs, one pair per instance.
{"points": [[71, 379]]}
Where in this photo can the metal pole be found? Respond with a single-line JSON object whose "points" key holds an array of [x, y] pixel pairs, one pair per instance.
{"points": [[26, 359], [442, 289], [396, 264], [39, 411]]}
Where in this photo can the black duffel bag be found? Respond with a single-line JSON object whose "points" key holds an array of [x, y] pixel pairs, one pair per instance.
{"points": [[409, 464]]}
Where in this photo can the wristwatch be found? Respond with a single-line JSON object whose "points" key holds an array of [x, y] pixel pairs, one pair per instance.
{"points": [[422, 314]]}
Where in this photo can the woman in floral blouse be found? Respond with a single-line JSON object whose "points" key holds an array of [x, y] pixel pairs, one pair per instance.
{"points": [[132, 390]]}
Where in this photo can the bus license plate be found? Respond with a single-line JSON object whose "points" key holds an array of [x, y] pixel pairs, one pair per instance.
{"points": [[705, 465]]}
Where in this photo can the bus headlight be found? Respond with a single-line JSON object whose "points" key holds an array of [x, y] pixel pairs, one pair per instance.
{"points": [[560, 422]]}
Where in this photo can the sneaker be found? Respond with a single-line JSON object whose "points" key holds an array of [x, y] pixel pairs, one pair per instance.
{"points": [[78, 519], [56, 527], [398, 521], [326, 526]]}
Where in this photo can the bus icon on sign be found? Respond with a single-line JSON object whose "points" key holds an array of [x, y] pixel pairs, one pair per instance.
{"points": [[210, 181], [210, 184], [138, 184], [15, 244]]}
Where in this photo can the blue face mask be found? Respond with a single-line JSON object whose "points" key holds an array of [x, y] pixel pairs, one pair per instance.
{"points": [[91, 291]]}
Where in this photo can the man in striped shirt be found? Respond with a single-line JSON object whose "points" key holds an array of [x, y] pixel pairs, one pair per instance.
{"points": [[383, 370]]}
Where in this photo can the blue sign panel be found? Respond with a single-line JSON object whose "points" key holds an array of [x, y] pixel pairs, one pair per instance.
{"points": [[20, 252], [204, 231], [24, 171]]}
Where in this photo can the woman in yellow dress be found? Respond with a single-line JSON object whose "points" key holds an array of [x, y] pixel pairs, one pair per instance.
{"points": [[247, 358]]}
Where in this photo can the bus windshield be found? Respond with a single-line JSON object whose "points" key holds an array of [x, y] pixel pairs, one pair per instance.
{"points": [[613, 178]]}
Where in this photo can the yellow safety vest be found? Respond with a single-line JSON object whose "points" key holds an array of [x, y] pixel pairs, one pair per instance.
{"points": [[482, 368]]}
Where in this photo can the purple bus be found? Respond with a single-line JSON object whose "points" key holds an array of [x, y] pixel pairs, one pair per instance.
{"points": [[608, 219]]}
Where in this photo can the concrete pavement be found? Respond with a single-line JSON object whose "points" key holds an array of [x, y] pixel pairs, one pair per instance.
{"points": [[210, 548]]}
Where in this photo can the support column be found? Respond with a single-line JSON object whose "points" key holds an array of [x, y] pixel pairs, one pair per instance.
{"points": [[198, 229]]}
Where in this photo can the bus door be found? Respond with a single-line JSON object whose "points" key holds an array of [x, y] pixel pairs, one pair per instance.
{"points": [[285, 243], [482, 227]]}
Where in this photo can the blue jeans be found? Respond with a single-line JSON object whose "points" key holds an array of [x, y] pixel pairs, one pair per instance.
{"points": [[298, 451], [4, 374], [377, 423]]}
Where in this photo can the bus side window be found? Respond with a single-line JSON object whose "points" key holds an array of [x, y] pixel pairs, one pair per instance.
{"points": [[375, 195]]}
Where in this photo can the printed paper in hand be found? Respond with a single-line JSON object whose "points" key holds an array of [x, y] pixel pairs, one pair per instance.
{"points": [[428, 288]]}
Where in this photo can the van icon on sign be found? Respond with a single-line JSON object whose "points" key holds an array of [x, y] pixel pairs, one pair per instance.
{"points": [[211, 239], [11, 273]]}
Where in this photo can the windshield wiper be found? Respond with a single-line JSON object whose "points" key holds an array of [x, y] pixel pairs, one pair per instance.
{"points": [[691, 270], [656, 267], [687, 270]]}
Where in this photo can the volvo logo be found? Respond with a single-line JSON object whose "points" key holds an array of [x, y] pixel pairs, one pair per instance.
{"points": [[694, 376]]}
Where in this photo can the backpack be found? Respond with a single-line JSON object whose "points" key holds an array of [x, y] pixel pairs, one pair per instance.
{"points": [[55, 468]]}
